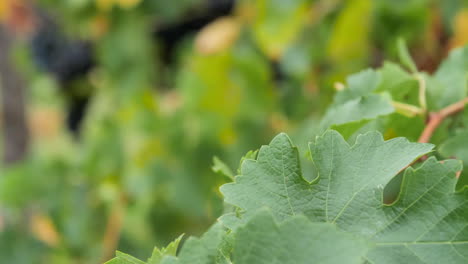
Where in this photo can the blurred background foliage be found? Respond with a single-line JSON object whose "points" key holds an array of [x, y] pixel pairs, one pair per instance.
{"points": [[124, 130]]}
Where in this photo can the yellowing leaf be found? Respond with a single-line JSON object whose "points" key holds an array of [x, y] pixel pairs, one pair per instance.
{"points": [[460, 35], [217, 36], [43, 228], [276, 24], [227, 135], [45, 123], [217, 93], [105, 5], [3, 9], [350, 36], [170, 103], [99, 26], [128, 4]]}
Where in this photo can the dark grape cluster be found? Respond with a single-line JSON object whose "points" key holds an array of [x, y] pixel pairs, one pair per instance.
{"points": [[67, 60], [75, 62], [45, 46], [76, 112]]}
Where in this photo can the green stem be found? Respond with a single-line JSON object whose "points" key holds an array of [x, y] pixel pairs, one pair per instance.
{"points": [[422, 91], [407, 109]]}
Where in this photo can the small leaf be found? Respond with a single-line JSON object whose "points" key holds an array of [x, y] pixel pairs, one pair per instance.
{"points": [[402, 86], [123, 258], [252, 154], [405, 57], [449, 83], [204, 250], [170, 250], [359, 84], [361, 109], [355, 105], [222, 168], [456, 146]]}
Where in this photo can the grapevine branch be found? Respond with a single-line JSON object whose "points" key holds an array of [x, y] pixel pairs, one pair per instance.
{"points": [[435, 119]]}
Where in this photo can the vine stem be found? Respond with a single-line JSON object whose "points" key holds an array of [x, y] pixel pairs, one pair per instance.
{"points": [[422, 91], [435, 119], [113, 229]]}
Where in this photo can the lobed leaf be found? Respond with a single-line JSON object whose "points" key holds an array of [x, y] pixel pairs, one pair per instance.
{"points": [[338, 217], [427, 224], [346, 175]]}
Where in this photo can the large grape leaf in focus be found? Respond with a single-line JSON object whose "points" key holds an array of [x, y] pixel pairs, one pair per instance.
{"points": [[296, 240], [261, 239], [427, 224]]}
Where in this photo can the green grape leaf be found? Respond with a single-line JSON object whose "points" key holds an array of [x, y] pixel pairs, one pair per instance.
{"points": [[297, 240], [170, 250], [261, 239], [398, 83], [156, 257], [359, 84], [275, 179], [357, 111], [456, 146], [340, 216], [355, 105], [204, 250], [222, 168], [251, 154], [449, 83], [122, 258], [277, 23], [427, 223], [373, 95]]}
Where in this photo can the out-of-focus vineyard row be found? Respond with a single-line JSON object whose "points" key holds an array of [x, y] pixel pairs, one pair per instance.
{"points": [[128, 101]]}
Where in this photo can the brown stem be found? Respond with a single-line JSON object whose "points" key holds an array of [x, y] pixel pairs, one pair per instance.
{"points": [[113, 229], [15, 131], [435, 119]]}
